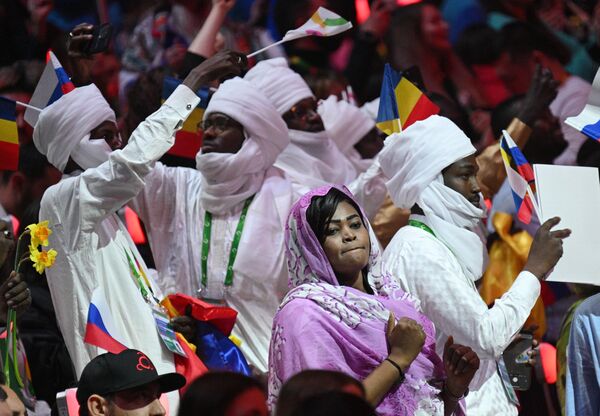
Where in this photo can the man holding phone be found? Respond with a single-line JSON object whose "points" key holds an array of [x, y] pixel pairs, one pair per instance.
{"points": [[439, 256]]}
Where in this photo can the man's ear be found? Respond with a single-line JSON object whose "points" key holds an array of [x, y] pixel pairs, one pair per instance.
{"points": [[17, 181], [97, 405]]}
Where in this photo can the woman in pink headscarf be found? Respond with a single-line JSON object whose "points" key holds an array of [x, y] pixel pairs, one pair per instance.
{"points": [[342, 315]]}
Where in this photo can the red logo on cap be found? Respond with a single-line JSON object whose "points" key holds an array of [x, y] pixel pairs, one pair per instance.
{"points": [[144, 363]]}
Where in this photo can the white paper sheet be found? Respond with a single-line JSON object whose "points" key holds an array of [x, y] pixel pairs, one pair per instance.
{"points": [[573, 194]]}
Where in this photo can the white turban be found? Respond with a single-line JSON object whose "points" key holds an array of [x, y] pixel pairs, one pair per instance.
{"points": [[279, 83], [414, 160], [344, 122], [65, 123], [229, 179]]}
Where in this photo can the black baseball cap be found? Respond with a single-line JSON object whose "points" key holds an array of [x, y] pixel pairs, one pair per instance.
{"points": [[110, 373]]}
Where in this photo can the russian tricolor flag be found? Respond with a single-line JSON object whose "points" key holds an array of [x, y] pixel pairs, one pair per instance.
{"points": [[588, 121], [53, 84], [100, 329], [520, 177]]}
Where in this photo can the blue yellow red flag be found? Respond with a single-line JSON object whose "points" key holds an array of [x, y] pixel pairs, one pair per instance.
{"points": [[401, 103], [9, 136]]}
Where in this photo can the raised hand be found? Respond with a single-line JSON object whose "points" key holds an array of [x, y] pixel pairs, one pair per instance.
{"points": [[223, 5], [546, 249], [542, 91], [221, 65], [79, 38], [405, 340], [461, 364]]}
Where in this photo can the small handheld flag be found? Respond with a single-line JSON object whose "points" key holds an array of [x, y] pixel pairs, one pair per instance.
{"points": [[188, 140], [322, 23], [588, 121], [9, 136], [520, 178], [401, 103], [100, 329], [53, 84]]}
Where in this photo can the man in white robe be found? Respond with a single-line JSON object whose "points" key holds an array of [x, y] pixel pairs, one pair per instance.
{"points": [[243, 136], [438, 257], [312, 159], [78, 135], [352, 130]]}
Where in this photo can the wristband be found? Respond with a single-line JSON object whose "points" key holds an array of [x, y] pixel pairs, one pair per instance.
{"points": [[401, 376]]}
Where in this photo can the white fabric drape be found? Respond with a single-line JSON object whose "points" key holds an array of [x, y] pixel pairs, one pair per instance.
{"points": [[230, 178], [346, 125], [313, 159], [62, 125]]}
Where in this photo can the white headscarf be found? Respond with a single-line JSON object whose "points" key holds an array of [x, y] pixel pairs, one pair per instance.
{"points": [[414, 160], [279, 83], [64, 127], [346, 125], [228, 179]]}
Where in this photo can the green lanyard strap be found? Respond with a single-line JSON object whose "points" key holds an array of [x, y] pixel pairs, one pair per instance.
{"points": [[421, 225], [234, 245]]}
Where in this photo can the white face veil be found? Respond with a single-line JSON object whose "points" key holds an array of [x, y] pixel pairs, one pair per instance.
{"points": [[414, 160], [346, 124], [63, 128], [230, 178]]}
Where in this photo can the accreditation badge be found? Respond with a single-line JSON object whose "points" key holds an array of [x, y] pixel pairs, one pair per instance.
{"points": [[168, 336]]}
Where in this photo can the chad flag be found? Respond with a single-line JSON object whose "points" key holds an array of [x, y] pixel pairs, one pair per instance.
{"points": [[188, 140], [9, 136], [401, 103]]}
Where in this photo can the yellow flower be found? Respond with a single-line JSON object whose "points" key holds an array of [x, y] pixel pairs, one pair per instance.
{"points": [[39, 233], [41, 259]]}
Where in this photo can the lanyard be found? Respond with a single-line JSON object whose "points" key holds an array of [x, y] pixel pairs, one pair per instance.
{"points": [[140, 278], [234, 245], [421, 225]]}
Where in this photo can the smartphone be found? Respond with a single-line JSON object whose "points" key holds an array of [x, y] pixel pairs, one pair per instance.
{"points": [[517, 362], [101, 36]]}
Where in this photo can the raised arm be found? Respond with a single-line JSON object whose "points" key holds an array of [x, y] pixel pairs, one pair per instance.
{"points": [[98, 192]]}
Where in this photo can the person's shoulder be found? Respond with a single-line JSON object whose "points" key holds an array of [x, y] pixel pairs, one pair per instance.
{"points": [[58, 191], [574, 88], [414, 238], [589, 307]]}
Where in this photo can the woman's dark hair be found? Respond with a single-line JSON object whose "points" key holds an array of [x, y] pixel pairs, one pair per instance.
{"points": [[310, 383], [322, 208], [318, 216], [212, 393], [334, 404]]}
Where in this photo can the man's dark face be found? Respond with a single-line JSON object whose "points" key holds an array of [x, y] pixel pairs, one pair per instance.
{"points": [[107, 131], [515, 73], [462, 177], [370, 144], [139, 401], [221, 134], [303, 116]]}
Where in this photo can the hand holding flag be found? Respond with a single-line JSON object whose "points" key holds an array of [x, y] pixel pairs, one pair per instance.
{"points": [[322, 23]]}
